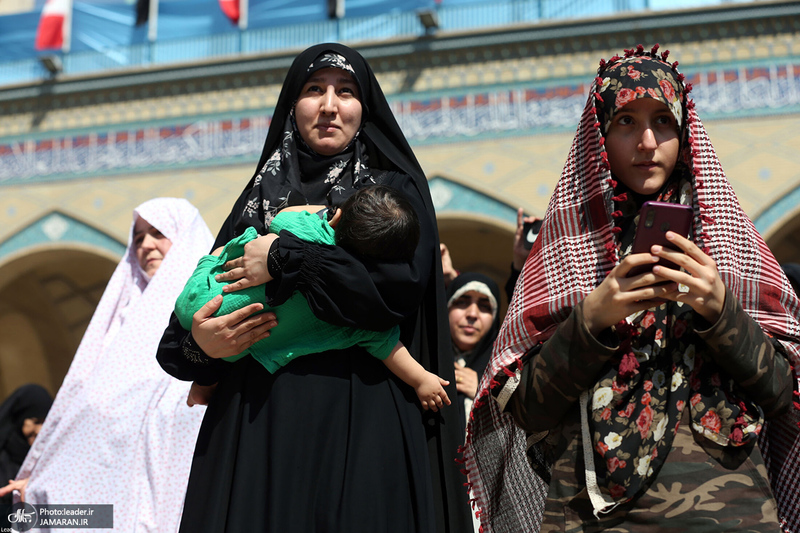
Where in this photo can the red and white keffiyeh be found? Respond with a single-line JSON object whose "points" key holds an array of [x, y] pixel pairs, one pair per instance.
{"points": [[119, 431], [575, 250]]}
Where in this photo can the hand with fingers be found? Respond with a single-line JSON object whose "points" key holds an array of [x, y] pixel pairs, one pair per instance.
{"points": [[449, 271], [431, 393], [619, 296], [466, 380], [228, 335], [250, 269], [699, 285], [19, 484], [519, 251], [200, 394]]}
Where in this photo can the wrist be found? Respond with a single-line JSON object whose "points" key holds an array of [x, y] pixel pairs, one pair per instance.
{"points": [[275, 260], [193, 352]]}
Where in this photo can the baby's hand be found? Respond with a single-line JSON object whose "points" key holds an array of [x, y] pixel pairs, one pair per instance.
{"points": [[431, 392]]}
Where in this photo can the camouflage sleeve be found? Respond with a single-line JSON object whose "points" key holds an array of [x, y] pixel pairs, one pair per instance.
{"points": [[554, 378], [754, 361]]}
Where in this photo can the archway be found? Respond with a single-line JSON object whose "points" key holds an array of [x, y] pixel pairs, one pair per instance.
{"points": [[477, 227], [47, 298], [52, 275], [780, 226]]}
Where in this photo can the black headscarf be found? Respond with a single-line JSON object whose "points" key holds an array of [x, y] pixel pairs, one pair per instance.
{"points": [[379, 148], [28, 401], [478, 357], [288, 170]]}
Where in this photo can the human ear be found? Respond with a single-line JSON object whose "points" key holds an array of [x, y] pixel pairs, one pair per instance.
{"points": [[335, 218]]}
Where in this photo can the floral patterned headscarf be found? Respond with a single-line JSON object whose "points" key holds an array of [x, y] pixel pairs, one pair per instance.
{"points": [[636, 77], [586, 231]]}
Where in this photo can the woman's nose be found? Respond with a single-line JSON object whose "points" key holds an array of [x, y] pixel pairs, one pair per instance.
{"points": [[647, 142], [148, 242], [329, 100]]}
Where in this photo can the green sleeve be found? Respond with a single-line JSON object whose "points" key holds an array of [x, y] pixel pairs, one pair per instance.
{"points": [[305, 226], [379, 343]]}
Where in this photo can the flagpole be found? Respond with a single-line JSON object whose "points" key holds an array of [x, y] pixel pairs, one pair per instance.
{"points": [[67, 28], [152, 21], [244, 9]]}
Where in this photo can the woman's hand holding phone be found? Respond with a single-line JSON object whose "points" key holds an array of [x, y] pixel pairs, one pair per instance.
{"points": [[621, 294], [700, 286]]}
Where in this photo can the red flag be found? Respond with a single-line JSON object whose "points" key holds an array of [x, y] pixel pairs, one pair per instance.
{"points": [[231, 9], [50, 33]]}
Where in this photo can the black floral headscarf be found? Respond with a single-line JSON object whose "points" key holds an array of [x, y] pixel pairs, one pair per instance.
{"points": [[288, 171]]}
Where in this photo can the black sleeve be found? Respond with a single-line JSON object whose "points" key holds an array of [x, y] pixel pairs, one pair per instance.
{"points": [[755, 361], [348, 291]]}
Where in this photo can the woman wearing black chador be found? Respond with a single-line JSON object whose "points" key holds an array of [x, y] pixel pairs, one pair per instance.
{"points": [[333, 441]]}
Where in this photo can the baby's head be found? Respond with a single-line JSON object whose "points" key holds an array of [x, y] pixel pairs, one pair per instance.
{"points": [[379, 223]]}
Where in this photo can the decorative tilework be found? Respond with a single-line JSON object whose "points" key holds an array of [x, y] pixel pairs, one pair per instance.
{"points": [[59, 228], [450, 197], [540, 108]]}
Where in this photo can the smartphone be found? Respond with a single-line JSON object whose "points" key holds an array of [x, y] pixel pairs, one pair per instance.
{"points": [[530, 230], [655, 220]]}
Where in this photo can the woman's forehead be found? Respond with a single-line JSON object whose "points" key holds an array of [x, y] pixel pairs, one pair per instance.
{"points": [[646, 104], [332, 74], [141, 226], [474, 295]]}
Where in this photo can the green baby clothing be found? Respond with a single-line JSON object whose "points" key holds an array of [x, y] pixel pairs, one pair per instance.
{"points": [[299, 332]]}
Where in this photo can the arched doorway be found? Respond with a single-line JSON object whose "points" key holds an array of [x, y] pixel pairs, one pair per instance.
{"points": [[479, 245], [47, 298], [478, 229], [50, 284], [780, 225]]}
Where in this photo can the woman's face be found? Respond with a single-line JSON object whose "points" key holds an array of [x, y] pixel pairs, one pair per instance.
{"points": [[328, 111], [31, 428], [470, 319], [151, 246], [642, 144]]}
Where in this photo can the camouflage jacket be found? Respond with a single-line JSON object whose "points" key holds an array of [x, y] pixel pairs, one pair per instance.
{"points": [[701, 485]]}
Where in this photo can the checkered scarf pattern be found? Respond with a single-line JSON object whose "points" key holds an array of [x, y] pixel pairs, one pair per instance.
{"points": [[574, 252]]}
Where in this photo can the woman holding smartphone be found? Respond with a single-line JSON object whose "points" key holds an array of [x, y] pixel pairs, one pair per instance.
{"points": [[636, 402]]}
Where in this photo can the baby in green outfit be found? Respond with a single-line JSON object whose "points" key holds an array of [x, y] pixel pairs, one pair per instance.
{"points": [[301, 332]]}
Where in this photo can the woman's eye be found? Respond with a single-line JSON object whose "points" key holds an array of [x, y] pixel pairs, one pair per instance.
{"points": [[664, 120], [314, 89], [625, 120], [485, 308]]}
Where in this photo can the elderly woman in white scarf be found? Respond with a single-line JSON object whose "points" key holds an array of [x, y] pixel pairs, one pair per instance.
{"points": [[120, 431]]}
